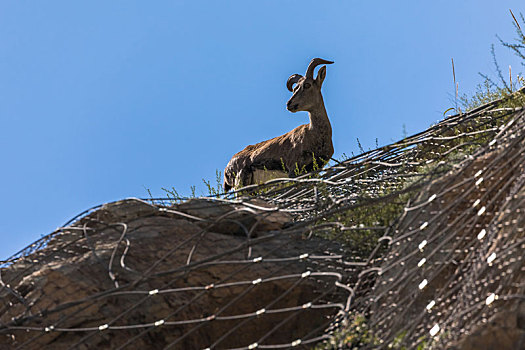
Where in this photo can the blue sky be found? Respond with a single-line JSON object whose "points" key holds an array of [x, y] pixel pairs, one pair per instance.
{"points": [[102, 99]]}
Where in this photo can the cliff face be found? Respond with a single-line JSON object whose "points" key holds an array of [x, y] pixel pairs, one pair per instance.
{"points": [[415, 244], [458, 259]]}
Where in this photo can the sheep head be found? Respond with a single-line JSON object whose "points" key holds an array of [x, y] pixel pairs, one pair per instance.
{"points": [[307, 90]]}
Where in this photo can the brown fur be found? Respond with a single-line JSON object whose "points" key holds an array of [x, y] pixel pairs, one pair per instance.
{"points": [[295, 149]]}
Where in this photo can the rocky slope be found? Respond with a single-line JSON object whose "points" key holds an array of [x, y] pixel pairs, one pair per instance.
{"points": [[418, 244]]}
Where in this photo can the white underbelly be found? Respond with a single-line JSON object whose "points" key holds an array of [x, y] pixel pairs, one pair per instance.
{"points": [[262, 176]]}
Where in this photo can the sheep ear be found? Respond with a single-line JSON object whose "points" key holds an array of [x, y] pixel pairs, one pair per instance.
{"points": [[320, 76]]}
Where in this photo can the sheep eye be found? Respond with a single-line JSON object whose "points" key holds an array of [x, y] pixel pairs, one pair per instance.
{"points": [[306, 85]]}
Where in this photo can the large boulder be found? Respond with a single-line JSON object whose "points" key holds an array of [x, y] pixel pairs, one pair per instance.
{"points": [[194, 275]]}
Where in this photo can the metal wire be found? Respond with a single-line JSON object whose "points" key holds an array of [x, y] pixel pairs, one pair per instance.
{"points": [[419, 241]]}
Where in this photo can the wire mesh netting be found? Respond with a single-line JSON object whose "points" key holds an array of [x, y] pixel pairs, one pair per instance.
{"points": [[418, 243]]}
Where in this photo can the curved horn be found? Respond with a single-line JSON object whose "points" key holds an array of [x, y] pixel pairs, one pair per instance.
{"points": [[314, 63], [294, 78]]}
